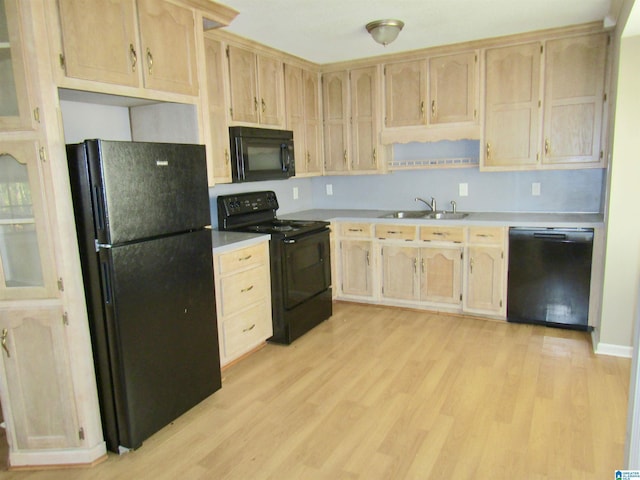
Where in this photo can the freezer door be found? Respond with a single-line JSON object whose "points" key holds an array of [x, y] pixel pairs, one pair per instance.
{"points": [[141, 190], [162, 333]]}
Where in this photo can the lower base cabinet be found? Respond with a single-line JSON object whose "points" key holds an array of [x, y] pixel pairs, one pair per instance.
{"points": [[36, 385], [243, 300], [455, 269]]}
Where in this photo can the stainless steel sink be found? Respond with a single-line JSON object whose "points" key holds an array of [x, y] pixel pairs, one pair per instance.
{"points": [[406, 214], [425, 215], [446, 215]]}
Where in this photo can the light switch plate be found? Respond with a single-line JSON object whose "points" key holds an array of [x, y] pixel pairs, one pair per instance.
{"points": [[329, 189], [463, 189], [295, 193], [535, 189]]}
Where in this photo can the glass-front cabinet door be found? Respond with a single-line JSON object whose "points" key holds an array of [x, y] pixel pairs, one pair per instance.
{"points": [[25, 259], [15, 108]]}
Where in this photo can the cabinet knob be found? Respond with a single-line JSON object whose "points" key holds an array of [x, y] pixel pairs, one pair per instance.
{"points": [[264, 106], [488, 150], [433, 108], [149, 61], [134, 57], [5, 332], [547, 146]]}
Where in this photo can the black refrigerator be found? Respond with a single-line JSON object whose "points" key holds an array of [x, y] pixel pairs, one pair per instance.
{"points": [[142, 217]]}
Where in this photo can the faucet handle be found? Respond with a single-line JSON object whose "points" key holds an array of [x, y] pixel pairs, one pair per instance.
{"points": [[453, 206]]}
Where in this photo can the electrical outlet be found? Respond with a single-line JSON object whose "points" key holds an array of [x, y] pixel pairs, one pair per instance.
{"points": [[295, 193], [535, 189], [329, 189], [463, 189]]}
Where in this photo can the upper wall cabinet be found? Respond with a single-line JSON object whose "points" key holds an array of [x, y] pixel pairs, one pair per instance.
{"points": [[432, 99], [573, 100], [15, 106], [218, 134], [566, 98], [302, 95], [352, 123], [149, 43], [257, 88]]}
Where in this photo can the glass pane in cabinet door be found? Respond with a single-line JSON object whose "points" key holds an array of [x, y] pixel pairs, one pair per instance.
{"points": [[21, 265], [8, 94]]}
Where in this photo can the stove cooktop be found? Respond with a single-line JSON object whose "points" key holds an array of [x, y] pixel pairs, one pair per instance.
{"points": [[287, 227]]}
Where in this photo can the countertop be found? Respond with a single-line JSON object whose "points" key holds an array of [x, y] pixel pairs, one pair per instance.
{"points": [[502, 219], [226, 241]]}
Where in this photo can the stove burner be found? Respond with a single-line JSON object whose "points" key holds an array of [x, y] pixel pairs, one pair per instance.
{"points": [[282, 228]]}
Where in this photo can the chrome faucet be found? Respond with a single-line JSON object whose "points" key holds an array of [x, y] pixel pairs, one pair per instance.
{"points": [[431, 205]]}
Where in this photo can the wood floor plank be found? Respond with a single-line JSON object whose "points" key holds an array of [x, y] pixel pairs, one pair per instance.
{"points": [[381, 393]]}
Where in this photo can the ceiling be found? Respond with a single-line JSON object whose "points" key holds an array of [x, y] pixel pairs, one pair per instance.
{"points": [[326, 31]]}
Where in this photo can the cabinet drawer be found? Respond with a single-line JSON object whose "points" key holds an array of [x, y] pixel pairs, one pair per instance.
{"points": [[493, 235], [442, 234], [400, 232], [362, 230], [245, 330], [242, 289], [243, 258]]}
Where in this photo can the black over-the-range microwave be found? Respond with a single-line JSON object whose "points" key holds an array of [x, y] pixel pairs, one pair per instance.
{"points": [[261, 154]]}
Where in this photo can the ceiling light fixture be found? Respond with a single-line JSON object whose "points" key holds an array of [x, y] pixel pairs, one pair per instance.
{"points": [[384, 31]]}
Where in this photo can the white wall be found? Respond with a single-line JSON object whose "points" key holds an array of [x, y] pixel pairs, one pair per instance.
{"points": [[622, 258]]}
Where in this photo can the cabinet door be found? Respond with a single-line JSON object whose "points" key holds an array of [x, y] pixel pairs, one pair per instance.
{"points": [[573, 100], [512, 116], [271, 88], [244, 94], [168, 46], [356, 267], [485, 279], [101, 45], [26, 266], [313, 122], [336, 112], [441, 275], [405, 85], [399, 272], [15, 105], [453, 81], [294, 96], [38, 396], [218, 130], [364, 118]]}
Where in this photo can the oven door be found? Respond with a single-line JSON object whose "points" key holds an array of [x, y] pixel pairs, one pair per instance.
{"points": [[306, 267]]}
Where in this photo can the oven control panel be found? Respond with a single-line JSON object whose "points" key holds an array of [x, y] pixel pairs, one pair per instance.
{"points": [[250, 202]]}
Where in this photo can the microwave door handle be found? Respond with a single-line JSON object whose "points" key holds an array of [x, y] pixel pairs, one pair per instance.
{"points": [[285, 157]]}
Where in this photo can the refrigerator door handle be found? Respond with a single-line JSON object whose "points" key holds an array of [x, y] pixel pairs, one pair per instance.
{"points": [[106, 283]]}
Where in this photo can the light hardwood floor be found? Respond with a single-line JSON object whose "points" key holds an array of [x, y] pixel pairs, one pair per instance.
{"points": [[382, 393]]}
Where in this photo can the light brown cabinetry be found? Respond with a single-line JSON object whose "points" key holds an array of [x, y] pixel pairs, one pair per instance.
{"points": [[38, 400], [440, 94], [148, 43], [399, 272], [441, 275], [356, 268], [218, 134], [256, 87], [566, 97], [26, 258], [243, 300], [303, 107], [573, 99], [15, 101], [485, 271], [512, 114], [352, 121]]}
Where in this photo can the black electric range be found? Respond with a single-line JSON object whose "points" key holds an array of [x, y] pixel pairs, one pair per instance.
{"points": [[300, 260]]}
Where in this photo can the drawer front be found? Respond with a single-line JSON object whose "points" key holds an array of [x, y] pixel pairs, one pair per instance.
{"points": [[360, 230], [241, 332], [442, 234], [243, 258], [399, 232], [486, 235], [242, 289]]}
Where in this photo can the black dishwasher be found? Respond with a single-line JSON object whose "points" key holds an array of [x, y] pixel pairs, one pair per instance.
{"points": [[550, 276]]}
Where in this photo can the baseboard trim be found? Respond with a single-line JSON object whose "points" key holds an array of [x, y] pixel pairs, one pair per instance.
{"points": [[613, 350], [46, 459]]}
